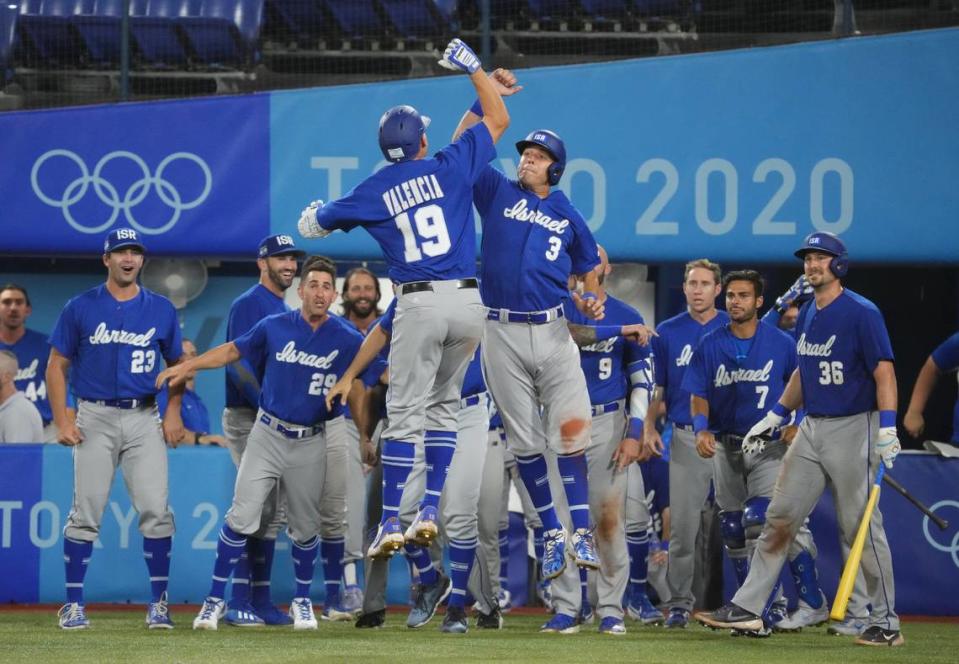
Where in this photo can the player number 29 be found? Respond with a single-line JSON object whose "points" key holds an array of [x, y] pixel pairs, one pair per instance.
{"points": [[831, 373], [143, 361], [320, 384], [430, 237]]}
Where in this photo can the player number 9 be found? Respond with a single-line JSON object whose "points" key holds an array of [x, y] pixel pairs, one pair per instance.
{"points": [[605, 368], [321, 383]]}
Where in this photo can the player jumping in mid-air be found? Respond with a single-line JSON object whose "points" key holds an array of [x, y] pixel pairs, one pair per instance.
{"points": [[112, 339], [847, 384], [419, 210]]}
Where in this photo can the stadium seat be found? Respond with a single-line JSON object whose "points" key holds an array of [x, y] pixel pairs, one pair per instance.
{"points": [[298, 20], [355, 19], [225, 33], [414, 19], [99, 31], [8, 30], [550, 13], [157, 38], [48, 39]]}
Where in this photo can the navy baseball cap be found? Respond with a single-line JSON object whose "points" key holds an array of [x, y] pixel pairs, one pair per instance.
{"points": [[275, 245], [122, 237]]}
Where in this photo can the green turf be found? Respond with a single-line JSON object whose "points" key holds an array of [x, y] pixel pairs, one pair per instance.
{"points": [[118, 636]]}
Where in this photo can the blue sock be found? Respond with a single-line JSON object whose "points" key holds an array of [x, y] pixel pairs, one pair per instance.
{"points": [[331, 552], [240, 588], [583, 586], [156, 551], [261, 570], [397, 461], [572, 470], [504, 557], [420, 558], [803, 568], [538, 545], [304, 564], [740, 568], [637, 543], [229, 548], [533, 471], [462, 553], [76, 556], [438, 447]]}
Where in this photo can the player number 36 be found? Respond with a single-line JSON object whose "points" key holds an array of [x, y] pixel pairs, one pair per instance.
{"points": [[320, 384], [831, 373]]}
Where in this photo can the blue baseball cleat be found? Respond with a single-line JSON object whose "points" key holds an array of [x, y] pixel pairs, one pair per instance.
{"points": [[158, 614], [678, 619], [641, 609], [560, 624], [583, 551], [270, 615], [72, 616], [352, 600], [428, 597], [389, 539], [612, 625], [554, 553], [242, 614]]}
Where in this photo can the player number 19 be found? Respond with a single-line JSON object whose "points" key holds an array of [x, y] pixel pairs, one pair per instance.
{"points": [[430, 228], [831, 373]]}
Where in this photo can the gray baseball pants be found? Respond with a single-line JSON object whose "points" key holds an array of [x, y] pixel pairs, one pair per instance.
{"points": [[237, 424]]}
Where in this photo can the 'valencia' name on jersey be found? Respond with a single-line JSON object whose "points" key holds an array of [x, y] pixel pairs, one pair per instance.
{"points": [[726, 377], [815, 350], [104, 336], [412, 192], [293, 356], [520, 212]]}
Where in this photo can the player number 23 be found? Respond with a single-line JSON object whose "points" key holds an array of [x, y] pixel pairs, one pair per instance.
{"points": [[430, 237], [143, 361], [320, 384], [831, 373]]}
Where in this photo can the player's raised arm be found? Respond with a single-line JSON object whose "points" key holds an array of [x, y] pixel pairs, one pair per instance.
{"points": [[57, 367], [459, 56], [506, 85], [369, 349], [212, 359]]}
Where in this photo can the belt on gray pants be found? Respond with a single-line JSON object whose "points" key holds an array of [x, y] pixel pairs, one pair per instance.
{"points": [[684, 427], [123, 404], [731, 440], [603, 408], [289, 430], [529, 317], [418, 286], [472, 400]]}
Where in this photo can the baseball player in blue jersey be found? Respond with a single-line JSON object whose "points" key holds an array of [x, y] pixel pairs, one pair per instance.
{"points": [[276, 259], [533, 239], [419, 210], [735, 373], [617, 380], [847, 384], [672, 351], [303, 353], [31, 348], [112, 339], [19, 419], [942, 360], [649, 559], [193, 412]]}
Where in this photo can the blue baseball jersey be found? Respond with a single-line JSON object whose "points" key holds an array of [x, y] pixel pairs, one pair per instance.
{"points": [[740, 384], [116, 348], [300, 365], [473, 382], [530, 244], [946, 357], [193, 412], [672, 351], [247, 310], [839, 347], [656, 482], [420, 211], [607, 364], [32, 351]]}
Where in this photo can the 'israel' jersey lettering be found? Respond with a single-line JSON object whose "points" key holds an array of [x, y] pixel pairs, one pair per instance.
{"points": [[115, 347], [851, 333], [520, 212], [672, 354], [32, 351], [104, 336], [27, 372], [293, 356], [739, 390], [420, 211], [411, 193]]}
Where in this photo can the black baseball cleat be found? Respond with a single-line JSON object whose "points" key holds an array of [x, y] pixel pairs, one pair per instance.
{"points": [[877, 636], [731, 617], [491, 620], [371, 619]]}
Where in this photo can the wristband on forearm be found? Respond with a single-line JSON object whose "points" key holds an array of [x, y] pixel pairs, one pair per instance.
{"points": [[887, 419], [477, 108], [700, 423]]}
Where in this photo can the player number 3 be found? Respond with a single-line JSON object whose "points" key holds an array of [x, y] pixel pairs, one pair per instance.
{"points": [[321, 383], [831, 373]]}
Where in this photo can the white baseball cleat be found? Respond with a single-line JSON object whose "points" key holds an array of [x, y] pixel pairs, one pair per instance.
{"points": [[210, 613], [804, 616], [301, 610]]}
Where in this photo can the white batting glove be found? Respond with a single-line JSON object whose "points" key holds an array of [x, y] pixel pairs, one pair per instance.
{"points": [[888, 445], [799, 288], [308, 226], [460, 57], [755, 445], [762, 432]]}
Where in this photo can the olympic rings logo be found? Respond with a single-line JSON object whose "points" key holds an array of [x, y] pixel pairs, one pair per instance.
{"points": [[110, 196], [953, 547]]}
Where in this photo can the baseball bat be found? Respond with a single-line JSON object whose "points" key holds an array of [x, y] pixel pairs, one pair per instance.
{"points": [[851, 568], [938, 520]]}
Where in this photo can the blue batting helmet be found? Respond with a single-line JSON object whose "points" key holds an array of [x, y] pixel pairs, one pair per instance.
{"points": [[400, 130], [553, 145], [827, 243]]}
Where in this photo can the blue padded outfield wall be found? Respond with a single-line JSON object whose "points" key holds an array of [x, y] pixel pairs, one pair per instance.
{"points": [[729, 154], [35, 492]]}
